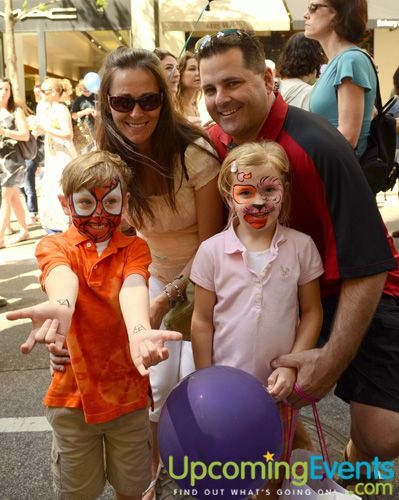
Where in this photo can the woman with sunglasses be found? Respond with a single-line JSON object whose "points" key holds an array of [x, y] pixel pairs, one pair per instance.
{"points": [[174, 201], [346, 90], [53, 120], [13, 128]]}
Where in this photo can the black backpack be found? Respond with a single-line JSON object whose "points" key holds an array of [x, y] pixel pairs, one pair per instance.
{"points": [[378, 161]]}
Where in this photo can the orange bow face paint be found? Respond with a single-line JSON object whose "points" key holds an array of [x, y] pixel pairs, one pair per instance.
{"points": [[96, 213]]}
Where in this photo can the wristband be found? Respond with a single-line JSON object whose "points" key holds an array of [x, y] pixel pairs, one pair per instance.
{"points": [[174, 298], [182, 279], [172, 301], [180, 296]]}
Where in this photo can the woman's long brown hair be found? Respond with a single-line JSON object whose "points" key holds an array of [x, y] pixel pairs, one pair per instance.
{"points": [[168, 143]]}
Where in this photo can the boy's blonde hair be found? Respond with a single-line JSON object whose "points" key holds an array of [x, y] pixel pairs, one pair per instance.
{"points": [[255, 154], [94, 169]]}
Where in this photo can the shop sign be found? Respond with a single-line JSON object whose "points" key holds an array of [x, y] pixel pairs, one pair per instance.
{"points": [[392, 24], [56, 14]]}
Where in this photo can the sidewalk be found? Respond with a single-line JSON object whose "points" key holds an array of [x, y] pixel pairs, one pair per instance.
{"points": [[25, 439]]}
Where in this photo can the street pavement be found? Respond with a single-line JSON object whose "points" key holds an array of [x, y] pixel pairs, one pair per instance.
{"points": [[25, 436]]}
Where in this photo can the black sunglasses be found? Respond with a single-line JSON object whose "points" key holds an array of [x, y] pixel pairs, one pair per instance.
{"points": [[208, 39], [126, 104], [312, 7]]}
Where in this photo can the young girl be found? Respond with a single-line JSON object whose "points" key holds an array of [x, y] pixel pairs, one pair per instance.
{"points": [[257, 292]]}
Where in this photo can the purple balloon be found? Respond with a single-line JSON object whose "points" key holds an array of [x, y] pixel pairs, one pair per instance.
{"points": [[224, 415]]}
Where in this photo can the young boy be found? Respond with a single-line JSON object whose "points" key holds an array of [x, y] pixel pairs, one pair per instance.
{"points": [[96, 282]]}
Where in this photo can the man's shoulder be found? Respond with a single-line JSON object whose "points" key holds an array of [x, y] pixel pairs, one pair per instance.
{"points": [[314, 134]]}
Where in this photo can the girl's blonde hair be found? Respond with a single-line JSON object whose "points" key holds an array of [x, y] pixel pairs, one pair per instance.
{"points": [[256, 154]]}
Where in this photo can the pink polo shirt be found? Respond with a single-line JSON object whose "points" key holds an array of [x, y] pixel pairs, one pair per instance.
{"points": [[255, 317]]}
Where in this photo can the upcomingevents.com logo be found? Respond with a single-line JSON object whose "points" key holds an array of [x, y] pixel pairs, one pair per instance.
{"points": [[367, 478]]}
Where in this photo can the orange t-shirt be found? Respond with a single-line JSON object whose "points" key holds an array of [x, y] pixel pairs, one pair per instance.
{"points": [[101, 379]]}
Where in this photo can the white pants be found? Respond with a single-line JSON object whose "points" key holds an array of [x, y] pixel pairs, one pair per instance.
{"points": [[165, 375]]}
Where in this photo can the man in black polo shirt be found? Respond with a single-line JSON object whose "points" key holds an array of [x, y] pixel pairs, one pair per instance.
{"points": [[331, 201]]}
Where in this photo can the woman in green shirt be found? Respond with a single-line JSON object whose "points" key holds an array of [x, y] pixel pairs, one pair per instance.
{"points": [[345, 92]]}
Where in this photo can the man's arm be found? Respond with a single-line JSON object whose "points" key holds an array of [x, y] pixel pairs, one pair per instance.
{"points": [[82, 113], [146, 345], [319, 369], [51, 321]]}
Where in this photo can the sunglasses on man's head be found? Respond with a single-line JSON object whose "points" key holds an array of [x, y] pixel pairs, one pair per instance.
{"points": [[46, 91], [312, 7], [126, 104], [208, 39]]}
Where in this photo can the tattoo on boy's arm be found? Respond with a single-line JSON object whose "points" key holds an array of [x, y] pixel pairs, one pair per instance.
{"points": [[138, 328], [64, 302]]}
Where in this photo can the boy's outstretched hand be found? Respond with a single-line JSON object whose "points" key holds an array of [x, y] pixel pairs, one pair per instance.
{"points": [[147, 347], [50, 324]]}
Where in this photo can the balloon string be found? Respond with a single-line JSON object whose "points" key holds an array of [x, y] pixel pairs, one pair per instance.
{"points": [[207, 7]]}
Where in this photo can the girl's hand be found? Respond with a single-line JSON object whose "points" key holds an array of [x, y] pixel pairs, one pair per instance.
{"points": [[158, 308], [281, 383]]}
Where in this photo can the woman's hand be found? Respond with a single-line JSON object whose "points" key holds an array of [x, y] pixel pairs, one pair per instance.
{"points": [[158, 308], [207, 125]]}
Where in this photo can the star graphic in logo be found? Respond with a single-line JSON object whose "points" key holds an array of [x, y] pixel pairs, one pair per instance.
{"points": [[269, 457]]}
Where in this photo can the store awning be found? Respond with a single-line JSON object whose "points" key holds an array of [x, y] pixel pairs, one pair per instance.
{"points": [[257, 15], [382, 13]]}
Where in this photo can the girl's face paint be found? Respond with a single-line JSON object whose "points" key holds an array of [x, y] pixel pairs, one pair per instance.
{"points": [[257, 202], [98, 212]]}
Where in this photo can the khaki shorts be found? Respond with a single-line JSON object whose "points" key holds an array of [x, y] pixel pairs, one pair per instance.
{"points": [[85, 455]]}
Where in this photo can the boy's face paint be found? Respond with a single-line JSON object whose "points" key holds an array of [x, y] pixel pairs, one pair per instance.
{"points": [[258, 201], [98, 212]]}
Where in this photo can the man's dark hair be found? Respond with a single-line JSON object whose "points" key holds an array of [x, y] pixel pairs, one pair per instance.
{"points": [[250, 46], [300, 57]]}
